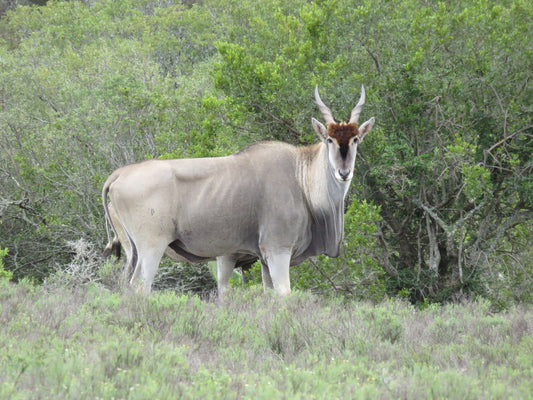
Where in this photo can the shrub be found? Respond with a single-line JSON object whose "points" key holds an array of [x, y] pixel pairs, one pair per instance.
{"points": [[4, 274]]}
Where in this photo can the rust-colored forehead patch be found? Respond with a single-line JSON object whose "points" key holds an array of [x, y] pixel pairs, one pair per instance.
{"points": [[343, 132]]}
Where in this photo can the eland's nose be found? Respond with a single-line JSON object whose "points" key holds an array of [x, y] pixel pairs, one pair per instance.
{"points": [[344, 173]]}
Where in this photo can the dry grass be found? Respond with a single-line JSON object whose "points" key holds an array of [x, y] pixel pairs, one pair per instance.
{"points": [[89, 342]]}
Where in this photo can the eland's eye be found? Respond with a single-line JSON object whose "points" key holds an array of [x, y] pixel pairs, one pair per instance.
{"points": [[330, 140]]}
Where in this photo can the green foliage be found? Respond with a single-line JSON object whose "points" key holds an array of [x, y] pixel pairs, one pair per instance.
{"points": [[357, 272], [86, 87], [269, 68], [99, 94], [4, 274], [443, 163], [87, 342], [443, 184]]}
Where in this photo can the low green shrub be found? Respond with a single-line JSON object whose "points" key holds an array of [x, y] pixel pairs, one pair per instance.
{"points": [[90, 342]]}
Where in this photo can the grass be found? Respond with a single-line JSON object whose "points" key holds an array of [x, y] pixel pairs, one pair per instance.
{"points": [[87, 342]]}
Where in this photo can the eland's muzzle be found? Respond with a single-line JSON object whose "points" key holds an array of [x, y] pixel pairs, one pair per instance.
{"points": [[344, 174]]}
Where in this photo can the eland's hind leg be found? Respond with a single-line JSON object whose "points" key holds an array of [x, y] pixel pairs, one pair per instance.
{"points": [[146, 268]]}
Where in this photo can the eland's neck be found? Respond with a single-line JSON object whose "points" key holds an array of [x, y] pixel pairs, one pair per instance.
{"points": [[317, 179]]}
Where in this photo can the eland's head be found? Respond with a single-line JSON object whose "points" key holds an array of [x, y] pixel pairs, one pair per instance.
{"points": [[342, 138]]}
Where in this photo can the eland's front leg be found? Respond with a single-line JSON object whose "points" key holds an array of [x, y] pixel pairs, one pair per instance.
{"points": [[265, 276], [278, 263], [225, 267]]}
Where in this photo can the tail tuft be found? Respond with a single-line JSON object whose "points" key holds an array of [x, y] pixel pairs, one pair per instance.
{"points": [[113, 248]]}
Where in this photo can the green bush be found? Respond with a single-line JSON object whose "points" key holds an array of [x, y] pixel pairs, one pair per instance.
{"points": [[357, 272], [86, 342], [88, 87], [4, 274]]}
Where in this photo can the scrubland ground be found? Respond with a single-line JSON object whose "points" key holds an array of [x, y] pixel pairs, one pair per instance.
{"points": [[89, 342]]}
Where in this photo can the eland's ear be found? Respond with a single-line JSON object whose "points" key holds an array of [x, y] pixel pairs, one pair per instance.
{"points": [[320, 129], [365, 128]]}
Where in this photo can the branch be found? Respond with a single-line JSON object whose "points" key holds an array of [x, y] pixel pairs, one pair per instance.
{"points": [[510, 223], [505, 139], [9, 174], [279, 120], [459, 224], [505, 112], [333, 285], [449, 229], [434, 253], [374, 57], [387, 265], [434, 215]]}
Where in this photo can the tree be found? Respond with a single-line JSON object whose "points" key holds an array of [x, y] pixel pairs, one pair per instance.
{"points": [[450, 165], [85, 88]]}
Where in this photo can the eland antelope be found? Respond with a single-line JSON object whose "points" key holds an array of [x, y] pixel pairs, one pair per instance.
{"points": [[272, 202]]}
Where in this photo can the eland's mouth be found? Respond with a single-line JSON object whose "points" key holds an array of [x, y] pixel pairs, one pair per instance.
{"points": [[343, 175]]}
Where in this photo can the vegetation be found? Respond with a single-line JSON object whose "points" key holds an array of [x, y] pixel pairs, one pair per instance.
{"points": [[442, 204], [61, 341], [441, 209]]}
